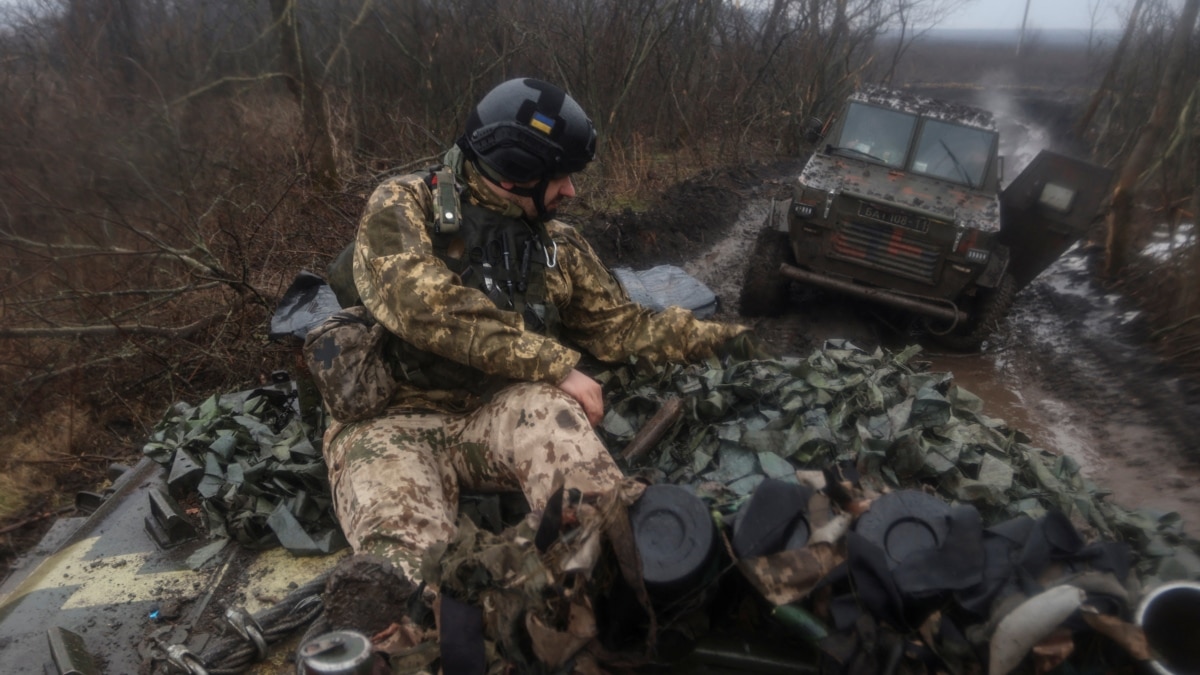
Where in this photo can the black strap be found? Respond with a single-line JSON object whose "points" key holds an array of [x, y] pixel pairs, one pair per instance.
{"points": [[462, 638]]}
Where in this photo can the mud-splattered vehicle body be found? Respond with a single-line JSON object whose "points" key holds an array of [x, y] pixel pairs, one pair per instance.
{"points": [[138, 586], [901, 204]]}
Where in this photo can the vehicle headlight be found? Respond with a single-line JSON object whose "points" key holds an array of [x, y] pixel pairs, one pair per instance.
{"points": [[803, 210], [978, 255]]}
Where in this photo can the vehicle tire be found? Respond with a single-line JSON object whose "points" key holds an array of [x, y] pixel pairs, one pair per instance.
{"points": [[991, 307], [764, 289]]}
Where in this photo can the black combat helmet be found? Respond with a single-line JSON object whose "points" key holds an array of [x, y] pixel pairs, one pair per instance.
{"points": [[526, 129], [529, 130]]}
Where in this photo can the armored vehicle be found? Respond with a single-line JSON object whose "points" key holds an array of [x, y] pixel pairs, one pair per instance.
{"points": [[902, 204]]}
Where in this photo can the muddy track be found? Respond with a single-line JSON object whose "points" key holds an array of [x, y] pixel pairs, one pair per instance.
{"points": [[1094, 357]]}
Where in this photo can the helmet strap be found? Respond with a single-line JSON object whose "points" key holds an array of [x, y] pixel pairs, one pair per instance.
{"points": [[538, 194]]}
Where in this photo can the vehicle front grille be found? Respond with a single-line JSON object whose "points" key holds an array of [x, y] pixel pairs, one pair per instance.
{"points": [[891, 249]]}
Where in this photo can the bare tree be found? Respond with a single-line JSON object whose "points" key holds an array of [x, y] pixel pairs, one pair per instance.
{"points": [[1118, 57], [1024, 24], [302, 80], [1120, 218]]}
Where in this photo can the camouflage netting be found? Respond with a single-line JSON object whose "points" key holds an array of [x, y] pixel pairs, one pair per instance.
{"points": [[744, 422], [900, 426], [256, 466], [880, 417], [756, 423]]}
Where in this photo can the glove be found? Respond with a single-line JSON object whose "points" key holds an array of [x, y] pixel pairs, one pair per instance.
{"points": [[744, 347]]}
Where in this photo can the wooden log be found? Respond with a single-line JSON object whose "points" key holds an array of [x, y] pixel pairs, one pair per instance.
{"points": [[653, 430]]}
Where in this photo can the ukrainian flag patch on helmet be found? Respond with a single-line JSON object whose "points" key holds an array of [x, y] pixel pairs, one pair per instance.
{"points": [[541, 123]]}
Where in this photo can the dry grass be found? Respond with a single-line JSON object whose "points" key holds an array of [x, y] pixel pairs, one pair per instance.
{"points": [[31, 458], [1166, 291]]}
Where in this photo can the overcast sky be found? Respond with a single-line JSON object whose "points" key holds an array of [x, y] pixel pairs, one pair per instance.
{"points": [[1044, 14]]}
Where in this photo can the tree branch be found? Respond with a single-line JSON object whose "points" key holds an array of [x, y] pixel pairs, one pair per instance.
{"points": [[95, 331], [224, 80]]}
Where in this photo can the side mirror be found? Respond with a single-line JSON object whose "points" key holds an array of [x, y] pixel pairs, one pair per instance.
{"points": [[812, 129], [999, 168]]}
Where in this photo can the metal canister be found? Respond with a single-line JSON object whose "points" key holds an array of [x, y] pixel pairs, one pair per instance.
{"points": [[675, 538], [343, 652], [1170, 617]]}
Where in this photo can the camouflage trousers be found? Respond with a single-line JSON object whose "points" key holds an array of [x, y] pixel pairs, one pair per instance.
{"points": [[396, 478]]}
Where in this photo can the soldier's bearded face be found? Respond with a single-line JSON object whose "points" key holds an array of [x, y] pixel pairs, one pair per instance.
{"points": [[558, 190]]}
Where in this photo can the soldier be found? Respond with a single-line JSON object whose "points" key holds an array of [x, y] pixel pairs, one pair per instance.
{"points": [[490, 300]]}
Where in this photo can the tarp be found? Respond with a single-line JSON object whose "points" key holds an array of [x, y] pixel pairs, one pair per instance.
{"points": [[667, 286]]}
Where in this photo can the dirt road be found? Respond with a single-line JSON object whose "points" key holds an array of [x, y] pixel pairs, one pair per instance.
{"points": [[1067, 369]]}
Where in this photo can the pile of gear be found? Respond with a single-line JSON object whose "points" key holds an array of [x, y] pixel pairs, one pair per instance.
{"points": [[847, 511], [255, 464], [877, 502]]}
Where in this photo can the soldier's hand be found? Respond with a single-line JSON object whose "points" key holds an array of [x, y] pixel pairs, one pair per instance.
{"points": [[587, 391], [744, 347]]}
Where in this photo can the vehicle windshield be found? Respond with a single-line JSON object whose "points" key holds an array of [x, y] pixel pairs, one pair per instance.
{"points": [[953, 152], [878, 134]]}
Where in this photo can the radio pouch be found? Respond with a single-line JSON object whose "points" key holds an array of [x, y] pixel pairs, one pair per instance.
{"points": [[346, 355]]}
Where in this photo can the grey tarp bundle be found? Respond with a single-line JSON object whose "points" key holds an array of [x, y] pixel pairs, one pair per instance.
{"points": [[667, 286], [304, 306], [264, 479]]}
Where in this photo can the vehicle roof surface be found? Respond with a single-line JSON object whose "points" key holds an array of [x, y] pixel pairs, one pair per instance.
{"points": [[925, 106], [952, 202], [103, 578]]}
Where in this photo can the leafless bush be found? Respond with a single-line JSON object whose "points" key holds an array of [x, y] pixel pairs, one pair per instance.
{"points": [[144, 219]]}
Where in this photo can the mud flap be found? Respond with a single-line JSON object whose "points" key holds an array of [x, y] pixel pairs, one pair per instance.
{"points": [[1048, 207], [777, 219]]}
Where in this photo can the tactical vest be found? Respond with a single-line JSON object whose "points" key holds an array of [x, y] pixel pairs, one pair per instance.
{"points": [[505, 258]]}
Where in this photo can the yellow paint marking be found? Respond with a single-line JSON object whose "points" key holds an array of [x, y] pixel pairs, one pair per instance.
{"points": [[271, 572], [104, 581]]}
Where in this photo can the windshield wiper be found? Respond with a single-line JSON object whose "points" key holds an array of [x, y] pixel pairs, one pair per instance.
{"points": [[856, 151], [958, 165]]}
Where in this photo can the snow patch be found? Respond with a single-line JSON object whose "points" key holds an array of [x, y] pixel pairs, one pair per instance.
{"points": [[1167, 242]]}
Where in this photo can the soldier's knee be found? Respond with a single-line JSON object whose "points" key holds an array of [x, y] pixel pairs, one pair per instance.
{"points": [[538, 395]]}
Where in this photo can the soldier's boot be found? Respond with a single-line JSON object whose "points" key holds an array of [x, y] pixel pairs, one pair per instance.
{"points": [[367, 593]]}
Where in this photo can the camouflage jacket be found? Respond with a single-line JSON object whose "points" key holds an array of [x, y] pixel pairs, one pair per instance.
{"points": [[415, 295]]}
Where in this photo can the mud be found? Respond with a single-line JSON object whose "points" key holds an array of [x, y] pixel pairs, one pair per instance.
{"points": [[1070, 369], [366, 576]]}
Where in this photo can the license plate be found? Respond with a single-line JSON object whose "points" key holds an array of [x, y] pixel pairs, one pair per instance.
{"points": [[899, 219]]}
